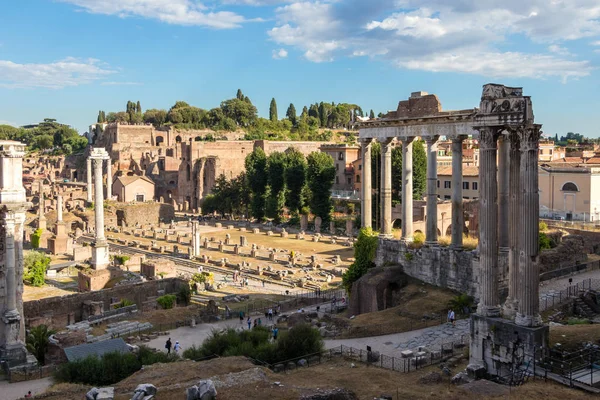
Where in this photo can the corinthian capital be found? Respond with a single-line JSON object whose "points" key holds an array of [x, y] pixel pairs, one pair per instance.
{"points": [[530, 137], [488, 137]]}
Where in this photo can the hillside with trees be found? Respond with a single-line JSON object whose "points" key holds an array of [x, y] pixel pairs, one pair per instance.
{"points": [[316, 121], [47, 135]]}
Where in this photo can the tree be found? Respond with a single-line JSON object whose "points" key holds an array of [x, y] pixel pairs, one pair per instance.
{"points": [[155, 117], [138, 107], [313, 111], [291, 114], [320, 176], [273, 111], [256, 171], [100, 119], [239, 95], [419, 170], [35, 265], [364, 254], [295, 180], [242, 112], [371, 115], [276, 165], [37, 342]]}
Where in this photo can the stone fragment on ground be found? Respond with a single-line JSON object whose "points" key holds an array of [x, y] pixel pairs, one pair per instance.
{"points": [[485, 388]]}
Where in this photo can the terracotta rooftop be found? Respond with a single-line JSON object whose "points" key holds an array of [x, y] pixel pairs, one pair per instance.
{"points": [[467, 171], [126, 180]]}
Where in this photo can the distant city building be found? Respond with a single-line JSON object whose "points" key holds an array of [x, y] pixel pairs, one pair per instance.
{"points": [[344, 156]]}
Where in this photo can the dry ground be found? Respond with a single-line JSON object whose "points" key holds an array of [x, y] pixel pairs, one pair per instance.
{"points": [[572, 336], [366, 382]]}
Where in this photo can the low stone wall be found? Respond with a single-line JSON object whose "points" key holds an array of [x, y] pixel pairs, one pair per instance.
{"points": [[58, 312], [441, 266], [591, 239], [143, 213], [29, 374]]}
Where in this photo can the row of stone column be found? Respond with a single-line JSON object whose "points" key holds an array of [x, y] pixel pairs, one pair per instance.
{"points": [[509, 221], [431, 235], [90, 184]]}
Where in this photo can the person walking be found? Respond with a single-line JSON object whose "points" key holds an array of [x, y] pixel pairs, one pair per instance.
{"points": [[249, 321], [177, 347], [452, 318], [168, 346], [241, 317], [275, 332], [270, 314]]}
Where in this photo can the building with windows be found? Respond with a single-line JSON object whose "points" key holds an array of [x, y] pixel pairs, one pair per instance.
{"points": [[470, 183], [344, 157], [133, 188]]}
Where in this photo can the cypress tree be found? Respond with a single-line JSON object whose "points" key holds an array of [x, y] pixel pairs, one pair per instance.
{"points": [[138, 107], [239, 95], [99, 120], [273, 111], [291, 114], [372, 114]]}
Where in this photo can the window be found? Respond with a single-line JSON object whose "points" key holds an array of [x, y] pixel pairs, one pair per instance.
{"points": [[357, 178], [474, 186], [447, 184], [570, 187], [466, 185], [337, 179], [349, 181], [337, 166], [341, 156], [438, 183], [360, 167], [139, 197], [447, 197]]}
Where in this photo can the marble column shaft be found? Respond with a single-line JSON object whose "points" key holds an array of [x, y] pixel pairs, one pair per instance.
{"points": [[488, 229], [59, 208], [386, 188], [529, 274], [458, 219], [367, 193], [503, 191], [9, 264], [108, 179], [89, 180], [512, 301], [407, 189], [99, 200], [431, 234]]}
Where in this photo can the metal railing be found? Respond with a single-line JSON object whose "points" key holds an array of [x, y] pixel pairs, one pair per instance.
{"points": [[554, 299]]}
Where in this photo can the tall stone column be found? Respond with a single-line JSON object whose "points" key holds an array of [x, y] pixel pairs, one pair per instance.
{"points": [[488, 220], [9, 264], [503, 192], [458, 219], [98, 199], [108, 179], [431, 236], [41, 215], [59, 208], [529, 274], [367, 191], [386, 188], [514, 216], [89, 180], [407, 189]]}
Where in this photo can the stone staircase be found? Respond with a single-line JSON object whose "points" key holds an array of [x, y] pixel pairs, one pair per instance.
{"points": [[582, 309]]}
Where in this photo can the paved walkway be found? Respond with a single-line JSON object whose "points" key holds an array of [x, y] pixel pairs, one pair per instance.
{"points": [[14, 391]]}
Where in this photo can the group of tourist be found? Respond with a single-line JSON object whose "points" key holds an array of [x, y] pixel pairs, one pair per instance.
{"points": [[169, 344]]}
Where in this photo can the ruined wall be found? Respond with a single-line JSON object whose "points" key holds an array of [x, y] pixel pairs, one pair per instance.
{"points": [[441, 266], [143, 213], [58, 312], [303, 147]]}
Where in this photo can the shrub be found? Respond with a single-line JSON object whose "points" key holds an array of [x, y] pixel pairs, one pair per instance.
{"points": [[364, 254], [121, 259], [301, 340], [35, 265], [35, 238], [578, 321], [37, 342], [124, 303], [167, 301], [184, 295], [462, 304], [545, 242], [543, 226]]}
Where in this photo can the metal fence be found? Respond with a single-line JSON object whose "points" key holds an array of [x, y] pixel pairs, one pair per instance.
{"points": [[554, 299]]}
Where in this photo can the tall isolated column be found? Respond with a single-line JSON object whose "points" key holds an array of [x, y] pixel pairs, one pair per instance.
{"points": [[529, 269], [59, 208], [503, 192], [488, 220], [431, 236], [367, 191], [108, 179], [407, 189], [512, 301], [386, 188], [98, 200], [458, 219], [9, 264], [89, 180], [41, 214]]}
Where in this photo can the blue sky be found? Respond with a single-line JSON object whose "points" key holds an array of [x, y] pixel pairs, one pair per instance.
{"points": [[67, 59]]}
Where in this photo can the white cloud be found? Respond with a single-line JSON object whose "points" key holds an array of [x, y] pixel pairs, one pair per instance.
{"points": [[177, 12], [116, 83], [68, 72], [255, 2], [442, 35], [597, 43], [280, 54]]}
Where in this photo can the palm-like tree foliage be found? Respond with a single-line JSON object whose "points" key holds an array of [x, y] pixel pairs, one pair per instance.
{"points": [[38, 341], [462, 303]]}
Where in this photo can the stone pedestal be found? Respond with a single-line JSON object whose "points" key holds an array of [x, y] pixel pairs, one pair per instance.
{"points": [[501, 344]]}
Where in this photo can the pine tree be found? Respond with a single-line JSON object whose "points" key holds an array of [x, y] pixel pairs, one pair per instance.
{"points": [[291, 114], [239, 95], [372, 114], [138, 107], [273, 111]]}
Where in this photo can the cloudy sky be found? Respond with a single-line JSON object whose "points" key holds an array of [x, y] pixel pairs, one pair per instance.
{"points": [[67, 59]]}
